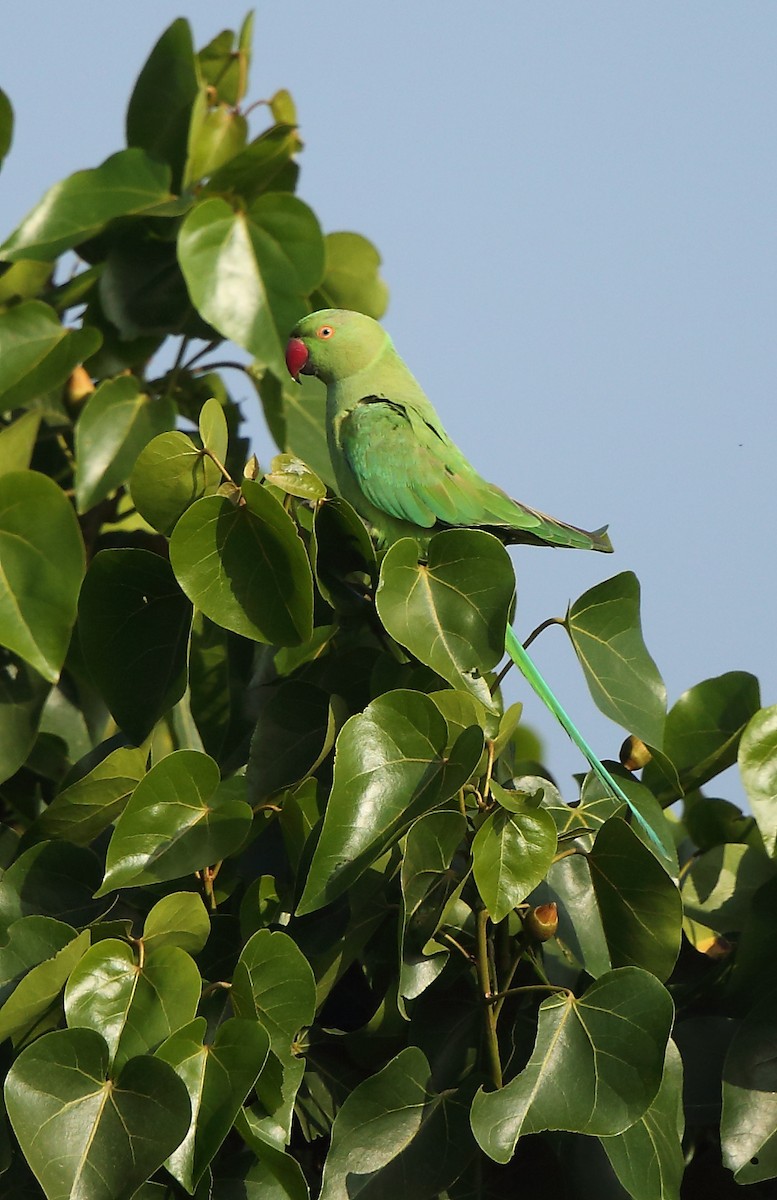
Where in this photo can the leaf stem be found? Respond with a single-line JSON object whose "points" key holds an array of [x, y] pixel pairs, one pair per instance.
{"points": [[529, 987], [484, 980], [535, 633]]}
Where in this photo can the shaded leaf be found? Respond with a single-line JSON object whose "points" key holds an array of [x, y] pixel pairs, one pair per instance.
{"points": [[117, 422], [81, 811], [748, 1126], [758, 768], [17, 442], [27, 942], [428, 882], [39, 988], [451, 611], [6, 124], [606, 632], [179, 820], [343, 556], [37, 352], [23, 693], [245, 566], [248, 273], [55, 879], [512, 852], [77, 208], [390, 768], [134, 624], [611, 1042], [84, 1134], [169, 475], [159, 110], [134, 1005], [719, 885], [218, 1078], [295, 730], [261, 166]]}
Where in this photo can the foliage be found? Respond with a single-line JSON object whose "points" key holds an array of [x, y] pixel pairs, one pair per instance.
{"points": [[287, 900]]}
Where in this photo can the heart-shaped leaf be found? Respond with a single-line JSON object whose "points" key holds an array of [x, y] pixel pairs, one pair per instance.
{"points": [[169, 475], [179, 820], [180, 919], [352, 278], [85, 1134], [512, 853]]}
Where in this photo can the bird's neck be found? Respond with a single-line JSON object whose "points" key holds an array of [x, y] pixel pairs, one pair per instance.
{"points": [[385, 375]]}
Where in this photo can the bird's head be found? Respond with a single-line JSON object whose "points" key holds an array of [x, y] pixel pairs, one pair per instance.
{"points": [[333, 344]]}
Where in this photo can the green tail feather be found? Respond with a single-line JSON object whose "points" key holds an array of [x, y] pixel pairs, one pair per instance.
{"points": [[528, 669]]}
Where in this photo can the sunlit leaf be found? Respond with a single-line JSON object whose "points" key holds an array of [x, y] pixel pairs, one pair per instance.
{"points": [[758, 768], [169, 475], [748, 1126], [511, 854], [83, 809]]}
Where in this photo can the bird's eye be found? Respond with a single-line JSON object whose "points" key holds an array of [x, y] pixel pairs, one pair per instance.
{"points": [[326, 331]]}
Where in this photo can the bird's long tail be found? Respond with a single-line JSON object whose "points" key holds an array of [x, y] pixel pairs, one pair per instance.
{"points": [[530, 672]]}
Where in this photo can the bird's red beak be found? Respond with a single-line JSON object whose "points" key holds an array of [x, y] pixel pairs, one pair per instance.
{"points": [[296, 357]]}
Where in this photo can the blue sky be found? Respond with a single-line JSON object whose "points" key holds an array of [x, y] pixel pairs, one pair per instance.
{"points": [[575, 204]]}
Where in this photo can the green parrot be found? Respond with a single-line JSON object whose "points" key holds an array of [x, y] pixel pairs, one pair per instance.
{"points": [[395, 464]]}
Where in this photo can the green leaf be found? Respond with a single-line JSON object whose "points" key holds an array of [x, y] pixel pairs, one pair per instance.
{"points": [[702, 732], [352, 277], [296, 416], [117, 422], [648, 1157], [134, 624], [169, 475], [126, 184], [758, 768], [390, 768], [17, 442], [451, 611], [640, 906], [55, 879], [748, 1126], [6, 124], [293, 477], [249, 272], [343, 556], [295, 730], [719, 885], [27, 942], [23, 693], [275, 1176], [179, 820], [216, 134], [606, 632], [83, 1134], [40, 987], [24, 280], [396, 1136], [160, 107], [245, 566], [611, 1042], [37, 352], [41, 567], [512, 853], [213, 429], [218, 1078], [134, 1005], [273, 982], [261, 167], [428, 882], [85, 808], [180, 919]]}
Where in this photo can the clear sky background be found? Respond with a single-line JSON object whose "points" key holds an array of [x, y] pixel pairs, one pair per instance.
{"points": [[575, 204]]}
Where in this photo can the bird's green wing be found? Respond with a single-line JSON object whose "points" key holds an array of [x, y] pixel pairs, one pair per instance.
{"points": [[408, 467]]}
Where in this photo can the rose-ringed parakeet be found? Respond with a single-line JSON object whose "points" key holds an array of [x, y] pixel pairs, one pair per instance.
{"points": [[395, 464]]}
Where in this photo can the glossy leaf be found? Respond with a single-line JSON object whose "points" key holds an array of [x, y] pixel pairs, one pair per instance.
{"points": [[23, 693], [393, 1128], [17, 442], [512, 853], [343, 556], [41, 567], [134, 624], [648, 1157], [639, 905], [169, 475], [160, 107], [352, 276], [719, 885], [295, 730], [427, 884], [179, 820], [451, 611], [180, 919], [293, 477], [261, 166], [611, 1042], [390, 768], [702, 732], [218, 1078], [748, 1127], [84, 809], [245, 566], [117, 422], [127, 183], [248, 272], [54, 879], [134, 1005], [758, 768], [272, 1176], [27, 942], [606, 632], [37, 353], [87, 1135], [40, 987]]}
